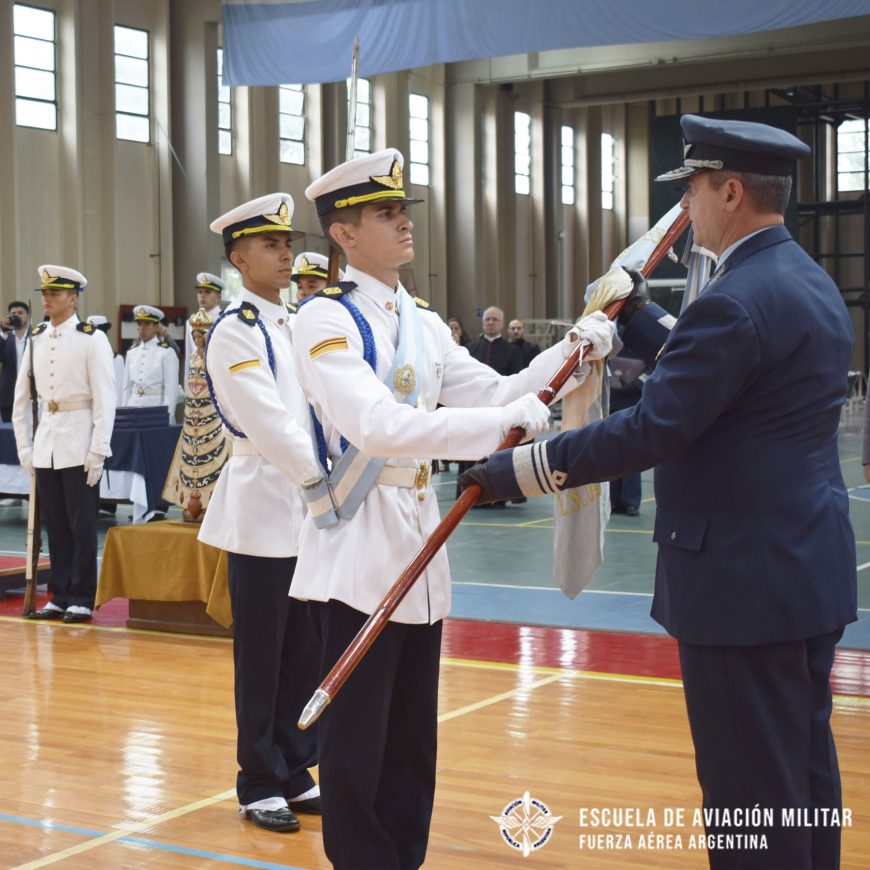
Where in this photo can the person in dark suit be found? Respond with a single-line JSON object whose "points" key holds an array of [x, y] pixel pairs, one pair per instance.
{"points": [[494, 350], [756, 571], [499, 354], [528, 349], [14, 329]]}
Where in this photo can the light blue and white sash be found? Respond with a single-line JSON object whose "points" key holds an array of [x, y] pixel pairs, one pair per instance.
{"points": [[354, 473]]}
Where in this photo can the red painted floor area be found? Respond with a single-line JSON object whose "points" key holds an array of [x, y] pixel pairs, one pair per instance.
{"points": [[641, 655], [607, 652]]}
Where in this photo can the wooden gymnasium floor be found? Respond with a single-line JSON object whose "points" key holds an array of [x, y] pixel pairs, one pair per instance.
{"points": [[117, 746]]}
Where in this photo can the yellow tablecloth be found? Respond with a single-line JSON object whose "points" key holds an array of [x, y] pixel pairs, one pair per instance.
{"points": [[164, 562]]}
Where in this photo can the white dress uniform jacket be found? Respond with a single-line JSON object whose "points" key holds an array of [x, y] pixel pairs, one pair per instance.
{"points": [[357, 560], [256, 508], [74, 367], [151, 376]]}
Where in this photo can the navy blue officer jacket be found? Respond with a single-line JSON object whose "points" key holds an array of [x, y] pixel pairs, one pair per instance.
{"points": [[740, 421]]}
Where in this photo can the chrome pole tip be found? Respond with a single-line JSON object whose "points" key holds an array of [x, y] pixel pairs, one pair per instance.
{"points": [[313, 709]]}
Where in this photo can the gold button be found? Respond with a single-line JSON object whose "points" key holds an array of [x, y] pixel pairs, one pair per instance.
{"points": [[389, 306], [421, 495], [280, 321]]}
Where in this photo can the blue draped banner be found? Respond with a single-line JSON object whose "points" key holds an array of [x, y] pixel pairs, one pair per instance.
{"points": [[270, 42]]}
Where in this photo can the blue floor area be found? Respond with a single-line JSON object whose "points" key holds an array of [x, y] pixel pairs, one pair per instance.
{"points": [[592, 609], [502, 561]]}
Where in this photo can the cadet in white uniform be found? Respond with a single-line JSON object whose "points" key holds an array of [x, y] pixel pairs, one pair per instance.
{"points": [[151, 370], [311, 274], [208, 296], [375, 363], [75, 383], [256, 513]]}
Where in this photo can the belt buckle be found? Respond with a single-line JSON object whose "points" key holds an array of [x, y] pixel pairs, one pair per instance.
{"points": [[53, 406], [140, 391], [421, 481]]}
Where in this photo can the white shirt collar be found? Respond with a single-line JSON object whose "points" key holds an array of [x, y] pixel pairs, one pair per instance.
{"points": [[374, 289], [69, 324]]}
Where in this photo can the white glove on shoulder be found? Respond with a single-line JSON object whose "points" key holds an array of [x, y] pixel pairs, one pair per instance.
{"points": [[25, 457], [529, 412], [94, 468], [596, 330]]}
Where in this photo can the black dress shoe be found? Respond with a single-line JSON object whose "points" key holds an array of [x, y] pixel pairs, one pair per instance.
{"points": [[77, 617], [309, 805], [46, 613], [281, 821], [631, 511]]}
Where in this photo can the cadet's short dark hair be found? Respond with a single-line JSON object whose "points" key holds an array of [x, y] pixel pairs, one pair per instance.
{"points": [[350, 215]]}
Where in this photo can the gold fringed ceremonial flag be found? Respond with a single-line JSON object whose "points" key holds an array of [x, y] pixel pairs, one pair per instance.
{"points": [[581, 514]]}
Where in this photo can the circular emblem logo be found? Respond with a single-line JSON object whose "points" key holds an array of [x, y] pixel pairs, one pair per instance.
{"points": [[405, 379], [526, 824]]}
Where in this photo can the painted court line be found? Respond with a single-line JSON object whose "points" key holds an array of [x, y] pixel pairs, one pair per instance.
{"points": [[126, 831]]}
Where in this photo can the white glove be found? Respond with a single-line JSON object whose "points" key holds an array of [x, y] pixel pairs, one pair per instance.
{"points": [[25, 457], [94, 468], [595, 329], [529, 412]]}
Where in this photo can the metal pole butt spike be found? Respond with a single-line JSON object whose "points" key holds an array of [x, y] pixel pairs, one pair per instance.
{"points": [[315, 706]]}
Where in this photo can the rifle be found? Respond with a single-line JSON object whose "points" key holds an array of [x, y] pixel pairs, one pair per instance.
{"points": [[376, 623], [34, 528]]}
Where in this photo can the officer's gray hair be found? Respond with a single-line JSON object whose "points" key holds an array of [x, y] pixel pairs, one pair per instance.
{"points": [[768, 193]]}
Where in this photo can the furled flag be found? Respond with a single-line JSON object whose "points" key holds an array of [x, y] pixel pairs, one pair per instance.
{"points": [[581, 514]]}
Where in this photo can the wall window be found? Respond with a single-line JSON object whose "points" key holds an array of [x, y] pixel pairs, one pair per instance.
{"points": [[291, 123], [522, 152], [362, 136], [852, 154], [418, 115], [608, 169], [568, 166], [225, 109], [132, 85], [35, 53]]}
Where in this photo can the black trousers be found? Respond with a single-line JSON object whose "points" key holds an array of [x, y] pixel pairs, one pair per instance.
{"points": [[6, 414], [68, 509], [760, 721], [277, 661], [378, 743]]}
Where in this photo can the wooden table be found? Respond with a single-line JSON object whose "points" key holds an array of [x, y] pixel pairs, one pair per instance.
{"points": [[174, 582]]}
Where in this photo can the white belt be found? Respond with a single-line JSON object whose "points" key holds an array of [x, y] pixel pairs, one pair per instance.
{"points": [[407, 478], [149, 391], [389, 475], [53, 407]]}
